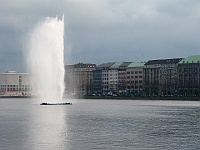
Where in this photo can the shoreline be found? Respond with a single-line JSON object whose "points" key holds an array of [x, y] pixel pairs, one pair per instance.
{"points": [[182, 98], [175, 98]]}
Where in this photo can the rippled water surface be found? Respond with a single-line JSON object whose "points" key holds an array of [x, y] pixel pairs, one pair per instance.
{"points": [[100, 124]]}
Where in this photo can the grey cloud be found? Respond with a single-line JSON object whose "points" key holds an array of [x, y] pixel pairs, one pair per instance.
{"points": [[17, 19], [155, 28], [176, 8]]}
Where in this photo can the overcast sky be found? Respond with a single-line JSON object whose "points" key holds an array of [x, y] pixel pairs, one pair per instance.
{"points": [[98, 31]]}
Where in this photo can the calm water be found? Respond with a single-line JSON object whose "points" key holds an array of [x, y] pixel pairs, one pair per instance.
{"points": [[99, 124]]}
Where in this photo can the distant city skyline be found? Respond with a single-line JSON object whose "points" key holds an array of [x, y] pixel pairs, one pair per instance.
{"points": [[98, 31]]}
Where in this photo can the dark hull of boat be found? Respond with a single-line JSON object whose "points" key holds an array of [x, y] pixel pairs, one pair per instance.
{"points": [[56, 104]]}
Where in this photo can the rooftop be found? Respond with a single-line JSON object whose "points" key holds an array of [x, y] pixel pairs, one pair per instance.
{"points": [[163, 61], [80, 65], [14, 73], [83, 65], [105, 65], [125, 64], [116, 65], [191, 59], [136, 64]]}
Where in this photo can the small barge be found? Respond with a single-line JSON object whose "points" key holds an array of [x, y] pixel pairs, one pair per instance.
{"points": [[56, 104]]}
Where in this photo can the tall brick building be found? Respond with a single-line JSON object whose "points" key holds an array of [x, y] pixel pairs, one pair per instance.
{"points": [[79, 78]]}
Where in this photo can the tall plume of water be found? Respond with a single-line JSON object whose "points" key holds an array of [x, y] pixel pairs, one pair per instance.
{"points": [[46, 59]]}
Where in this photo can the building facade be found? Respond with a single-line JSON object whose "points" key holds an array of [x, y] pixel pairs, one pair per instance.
{"points": [[122, 77], [161, 77], [169, 77], [104, 69], [189, 76], [15, 84], [134, 79], [79, 78], [114, 78], [97, 81], [106, 78]]}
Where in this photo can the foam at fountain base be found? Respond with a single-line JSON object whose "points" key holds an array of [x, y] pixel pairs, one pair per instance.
{"points": [[56, 104]]}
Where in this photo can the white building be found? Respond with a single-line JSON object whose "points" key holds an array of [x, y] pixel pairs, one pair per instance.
{"points": [[109, 77], [13, 83]]}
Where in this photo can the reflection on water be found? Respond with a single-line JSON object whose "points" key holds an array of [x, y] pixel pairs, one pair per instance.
{"points": [[100, 124], [49, 127], [27, 125]]}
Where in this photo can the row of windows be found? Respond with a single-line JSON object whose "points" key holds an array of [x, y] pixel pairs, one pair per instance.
{"points": [[128, 87], [113, 82], [168, 77], [9, 86], [134, 72], [151, 66], [192, 75], [134, 87], [104, 82], [132, 77], [140, 81], [113, 74], [109, 78], [188, 69], [168, 72], [15, 87]]}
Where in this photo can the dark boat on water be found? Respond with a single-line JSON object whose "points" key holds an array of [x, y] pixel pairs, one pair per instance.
{"points": [[56, 104]]}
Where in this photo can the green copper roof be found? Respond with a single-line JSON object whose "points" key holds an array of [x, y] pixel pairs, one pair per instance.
{"points": [[116, 65], [136, 64], [191, 59]]}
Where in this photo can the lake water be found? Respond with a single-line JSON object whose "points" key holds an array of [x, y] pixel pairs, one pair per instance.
{"points": [[100, 125]]}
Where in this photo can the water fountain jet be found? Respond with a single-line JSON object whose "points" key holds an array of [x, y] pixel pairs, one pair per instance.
{"points": [[46, 60]]}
